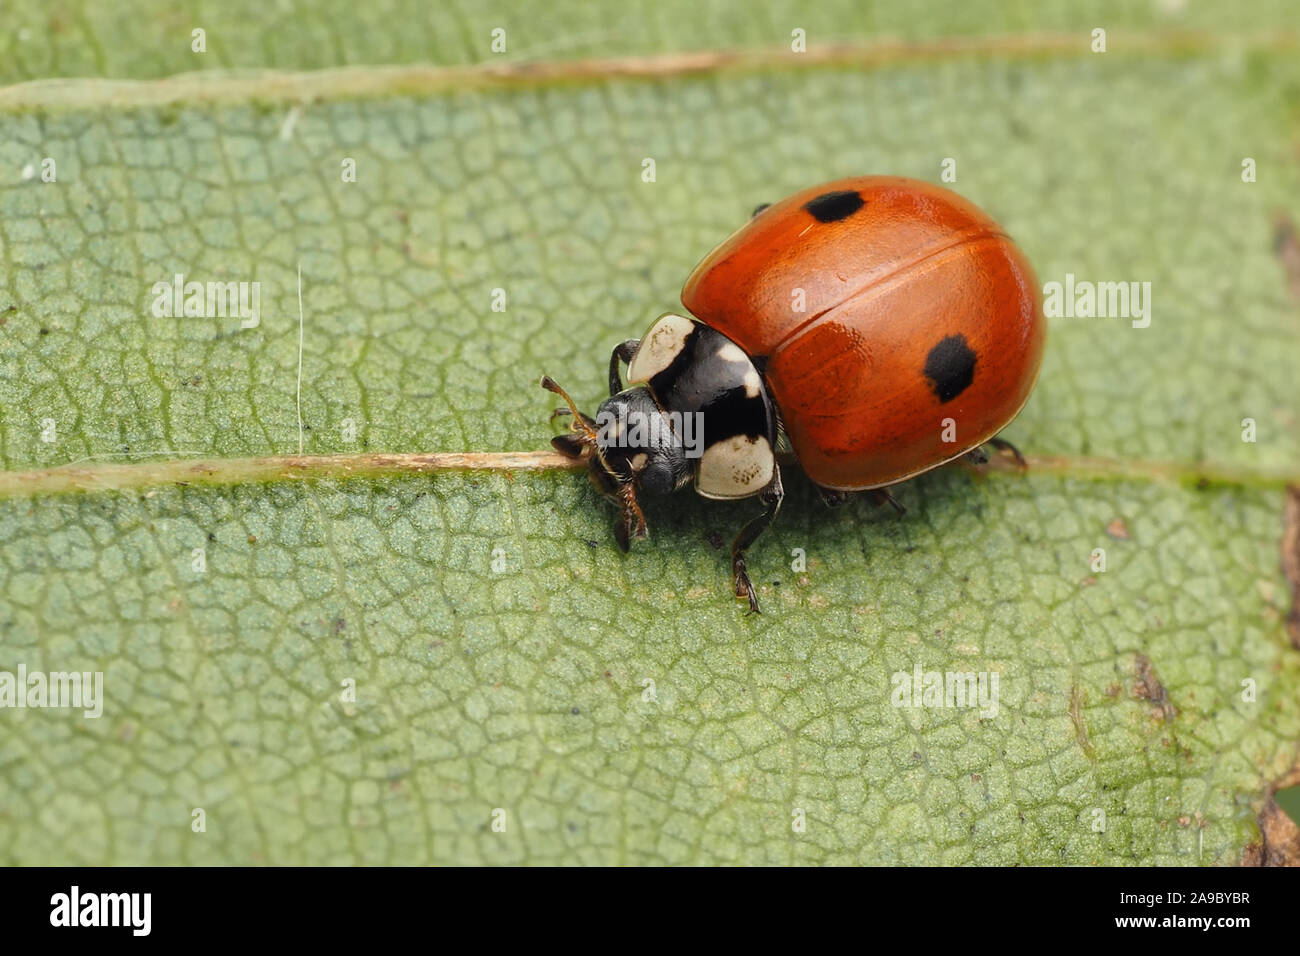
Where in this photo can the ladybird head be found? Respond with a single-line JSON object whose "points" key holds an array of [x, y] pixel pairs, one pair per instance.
{"points": [[631, 448]]}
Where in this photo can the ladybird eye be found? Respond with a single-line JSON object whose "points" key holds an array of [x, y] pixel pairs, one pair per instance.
{"points": [[657, 478]]}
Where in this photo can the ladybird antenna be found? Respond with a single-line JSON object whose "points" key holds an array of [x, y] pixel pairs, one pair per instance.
{"points": [[551, 385], [581, 423]]}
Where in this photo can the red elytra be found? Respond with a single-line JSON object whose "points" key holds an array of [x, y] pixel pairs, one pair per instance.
{"points": [[887, 315]]}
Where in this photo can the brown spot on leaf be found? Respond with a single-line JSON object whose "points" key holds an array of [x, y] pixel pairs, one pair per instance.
{"points": [[1148, 687], [1117, 529], [1279, 837], [1286, 244], [1291, 560]]}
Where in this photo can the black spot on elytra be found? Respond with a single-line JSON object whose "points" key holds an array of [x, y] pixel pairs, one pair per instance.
{"points": [[950, 367], [759, 208], [832, 207]]}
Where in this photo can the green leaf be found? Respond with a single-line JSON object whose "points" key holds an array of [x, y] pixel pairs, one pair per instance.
{"points": [[504, 655]]}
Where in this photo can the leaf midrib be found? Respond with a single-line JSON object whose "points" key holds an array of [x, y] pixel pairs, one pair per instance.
{"points": [[237, 86], [101, 476]]}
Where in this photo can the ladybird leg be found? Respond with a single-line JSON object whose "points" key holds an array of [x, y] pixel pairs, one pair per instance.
{"points": [[977, 456], [622, 353], [759, 208], [574, 444], [630, 525], [581, 423], [771, 497], [1001, 444], [882, 496], [570, 446], [621, 534], [832, 497]]}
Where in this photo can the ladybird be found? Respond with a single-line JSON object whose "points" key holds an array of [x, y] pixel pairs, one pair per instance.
{"points": [[877, 327]]}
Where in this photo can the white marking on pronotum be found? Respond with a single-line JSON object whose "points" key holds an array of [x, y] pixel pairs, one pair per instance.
{"points": [[730, 352], [660, 346], [735, 468], [300, 357]]}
